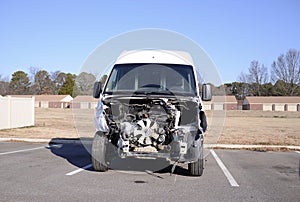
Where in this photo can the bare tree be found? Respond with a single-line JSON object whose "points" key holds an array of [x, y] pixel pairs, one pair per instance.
{"points": [[253, 80], [42, 83], [84, 83], [33, 71], [53, 75], [58, 78], [243, 77], [241, 89], [287, 69], [258, 75], [4, 85]]}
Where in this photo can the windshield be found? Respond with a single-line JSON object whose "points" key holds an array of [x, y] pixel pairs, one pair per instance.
{"points": [[151, 79]]}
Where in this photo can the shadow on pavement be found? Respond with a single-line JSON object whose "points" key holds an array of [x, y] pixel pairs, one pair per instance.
{"points": [[72, 150], [78, 153]]}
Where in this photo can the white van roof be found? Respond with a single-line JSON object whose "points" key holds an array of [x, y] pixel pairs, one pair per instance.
{"points": [[155, 56]]}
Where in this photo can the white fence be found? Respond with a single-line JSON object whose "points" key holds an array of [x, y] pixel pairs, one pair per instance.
{"points": [[16, 112]]}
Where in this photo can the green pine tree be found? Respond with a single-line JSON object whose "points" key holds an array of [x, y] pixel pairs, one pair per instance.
{"points": [[67, 87]]}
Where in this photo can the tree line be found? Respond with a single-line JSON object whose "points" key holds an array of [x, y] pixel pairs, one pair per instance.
{"points": [[284, 80], [40, 82]]}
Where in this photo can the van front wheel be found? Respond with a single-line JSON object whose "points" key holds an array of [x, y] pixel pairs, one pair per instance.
{"points": [[196, 168], [99, 152]]}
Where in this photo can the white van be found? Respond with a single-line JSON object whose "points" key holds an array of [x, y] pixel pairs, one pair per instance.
{"points": [[150, 106]]}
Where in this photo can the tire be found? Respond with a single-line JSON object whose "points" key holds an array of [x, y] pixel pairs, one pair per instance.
{"points": [[196, 168], [99, 152]]}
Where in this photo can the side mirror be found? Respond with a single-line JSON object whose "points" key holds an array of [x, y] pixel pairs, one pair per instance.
{"points": [[206, 93], [97, 89]]}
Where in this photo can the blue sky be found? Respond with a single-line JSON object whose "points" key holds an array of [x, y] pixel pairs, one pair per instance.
{"points": [[60, 34]]}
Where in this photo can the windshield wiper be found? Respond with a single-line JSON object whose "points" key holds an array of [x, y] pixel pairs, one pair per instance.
{"points": [[152, 93]]}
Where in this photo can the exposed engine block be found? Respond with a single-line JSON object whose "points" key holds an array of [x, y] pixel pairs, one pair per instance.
{"points": [[143, 125], [147, 125]]}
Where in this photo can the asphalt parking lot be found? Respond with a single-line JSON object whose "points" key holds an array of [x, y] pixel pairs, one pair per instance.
{"points": [[63, 172]]}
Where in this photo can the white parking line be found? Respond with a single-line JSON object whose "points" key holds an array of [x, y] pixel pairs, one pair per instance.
{"points": [[79, 170], [23, 150], [230, 178], [297, 152]]}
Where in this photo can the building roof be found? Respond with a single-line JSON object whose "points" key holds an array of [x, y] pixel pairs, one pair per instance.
{"points": [[84, 98], [22, 96], [224, 99], [9, 96], [49, 98], [272, 99], [53, 98]]}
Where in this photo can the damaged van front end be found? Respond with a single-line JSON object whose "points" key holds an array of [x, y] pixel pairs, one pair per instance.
{"points": [[150, 109]]}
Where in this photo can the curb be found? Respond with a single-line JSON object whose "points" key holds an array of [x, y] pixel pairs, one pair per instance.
{"points": [[24, 140], [207, 146], [75, 141], [49, 141], [251, 147]]}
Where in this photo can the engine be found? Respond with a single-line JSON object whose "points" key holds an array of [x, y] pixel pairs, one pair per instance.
{"points": [[142, 125]]}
